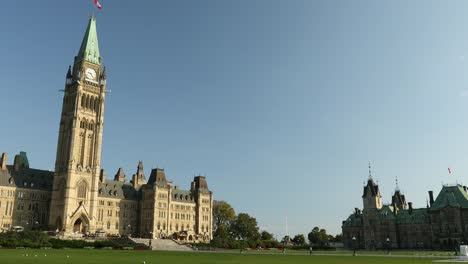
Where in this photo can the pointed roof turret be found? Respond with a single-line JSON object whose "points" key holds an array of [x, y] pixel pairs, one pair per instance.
{"points": [[89, 50], [120, 175], [69, 73]]}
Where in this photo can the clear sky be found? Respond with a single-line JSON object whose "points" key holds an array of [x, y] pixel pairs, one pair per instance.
{"points": [[281, 104]]}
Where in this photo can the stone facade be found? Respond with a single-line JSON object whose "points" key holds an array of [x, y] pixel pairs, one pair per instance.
{"points": [[77, 197], [443, 224]]}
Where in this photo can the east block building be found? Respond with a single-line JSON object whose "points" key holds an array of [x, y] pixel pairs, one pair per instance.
{"points": [[77, 197], [443, 224]]}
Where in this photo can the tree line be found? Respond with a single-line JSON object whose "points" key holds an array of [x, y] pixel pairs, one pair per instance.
{"points": [[231, 230]]}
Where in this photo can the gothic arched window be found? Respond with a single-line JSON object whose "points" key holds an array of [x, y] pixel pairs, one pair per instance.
{"points": [[82, 190]]}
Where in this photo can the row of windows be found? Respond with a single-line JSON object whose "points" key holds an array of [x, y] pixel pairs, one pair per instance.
{"points": [[183, 216], [162, 195], [85, 125], [162, 205], [7, 193], [162, 214], [206, 218], [205, 200], [90, 102], [183, 207], [25, 195], [182, 197]]}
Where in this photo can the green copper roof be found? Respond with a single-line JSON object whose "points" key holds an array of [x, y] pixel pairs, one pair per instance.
{"points": [[451, 196], [415, 216], [89, 50]]}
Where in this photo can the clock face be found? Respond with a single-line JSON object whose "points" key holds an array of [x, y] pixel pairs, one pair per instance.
{"points": [[90, 74]]}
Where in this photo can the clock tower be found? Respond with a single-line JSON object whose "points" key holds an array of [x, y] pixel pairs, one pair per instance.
{"points": [[78, 159]]}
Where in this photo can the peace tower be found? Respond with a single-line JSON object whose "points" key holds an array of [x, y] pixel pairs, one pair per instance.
{"points": [[77, 165]]}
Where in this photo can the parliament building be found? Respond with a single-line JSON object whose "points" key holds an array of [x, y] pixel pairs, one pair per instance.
{"points": [[442, 224], [77, 197]]}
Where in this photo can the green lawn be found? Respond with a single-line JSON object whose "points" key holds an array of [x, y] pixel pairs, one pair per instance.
{"points": [[18, 256]]}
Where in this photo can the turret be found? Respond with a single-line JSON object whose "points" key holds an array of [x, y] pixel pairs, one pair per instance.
{"points": [[120, 175], [69, 76], [138, 178], [103, 77], [158, 177], [21, 161], [398, 199], [371, 197]]}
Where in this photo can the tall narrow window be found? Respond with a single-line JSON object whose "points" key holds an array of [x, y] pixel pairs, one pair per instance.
{"points": [[82, 190]]}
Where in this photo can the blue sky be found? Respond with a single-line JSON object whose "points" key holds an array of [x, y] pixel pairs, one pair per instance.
{"points": [[281, 104]]}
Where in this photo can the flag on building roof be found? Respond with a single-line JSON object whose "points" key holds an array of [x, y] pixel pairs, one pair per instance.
{"points": [[97, 4], [449, 170]]}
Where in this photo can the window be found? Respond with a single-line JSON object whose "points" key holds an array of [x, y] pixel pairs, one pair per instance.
{"points": [[82, 190], [108, 225]]}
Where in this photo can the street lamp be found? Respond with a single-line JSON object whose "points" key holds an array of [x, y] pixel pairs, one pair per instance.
{"points": [[389, 245], [150, 239], [354, 245]]}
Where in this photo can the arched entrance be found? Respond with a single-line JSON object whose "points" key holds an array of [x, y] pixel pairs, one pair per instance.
{"points": [[80, 226]]}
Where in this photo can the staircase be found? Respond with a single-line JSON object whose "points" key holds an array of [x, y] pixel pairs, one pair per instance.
{"points": [[163, 244]]}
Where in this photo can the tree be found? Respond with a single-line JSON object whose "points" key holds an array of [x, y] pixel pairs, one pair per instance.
{"points": [[265, 236], [338, 238], [245, 227], [313, 236], [317, 236], [299, 240], [223, 214], [285, 241]]}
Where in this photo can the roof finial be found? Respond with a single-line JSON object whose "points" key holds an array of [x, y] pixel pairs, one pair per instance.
{"points": [[370, 174], [397, 189]]}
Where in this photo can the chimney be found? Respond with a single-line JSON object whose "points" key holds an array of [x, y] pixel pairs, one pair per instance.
{"points": [[410, 207], [3, 162], [356, 211], [431, 198], [102, 176]]}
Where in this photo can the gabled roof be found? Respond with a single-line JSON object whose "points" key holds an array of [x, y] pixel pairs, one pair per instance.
{"points": [[89, 49], [451, 196]]}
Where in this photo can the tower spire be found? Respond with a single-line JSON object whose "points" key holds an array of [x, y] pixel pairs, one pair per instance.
{"points": [[89, 49], [397, 189], [370, 173]]}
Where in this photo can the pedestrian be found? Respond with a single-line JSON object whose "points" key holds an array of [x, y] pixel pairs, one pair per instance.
{"points": [[310, 250]]}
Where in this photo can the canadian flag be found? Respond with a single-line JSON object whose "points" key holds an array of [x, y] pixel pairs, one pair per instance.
{"points": [[96, 3], [449, 170]]}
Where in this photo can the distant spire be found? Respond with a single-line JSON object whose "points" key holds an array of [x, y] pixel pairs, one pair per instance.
{"points": [[397, 189], [370, 173]]}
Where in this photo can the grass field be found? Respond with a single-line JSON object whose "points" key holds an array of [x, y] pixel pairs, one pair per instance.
{"points": [[18, 256]]}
